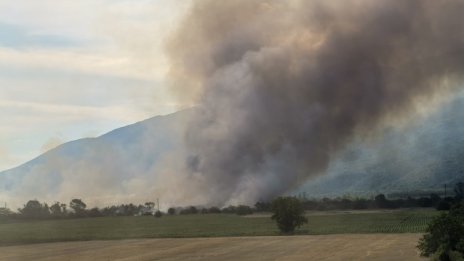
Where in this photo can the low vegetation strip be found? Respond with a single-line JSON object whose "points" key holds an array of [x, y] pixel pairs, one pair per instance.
{"points": [[212, 225]]}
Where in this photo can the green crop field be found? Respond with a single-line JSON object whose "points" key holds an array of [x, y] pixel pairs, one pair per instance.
{"points": [[208, 225]]}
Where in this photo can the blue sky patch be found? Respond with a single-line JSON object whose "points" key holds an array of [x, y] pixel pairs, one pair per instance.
{"points": [[17, 37]]}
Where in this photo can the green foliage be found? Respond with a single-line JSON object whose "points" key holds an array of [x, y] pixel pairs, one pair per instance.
{"points": [[445, 235], [5, 212], [158, 214], [58, 210], [229, 210], [171, 211], [94, 212], [381, 201], [150, 205], [34, 209], [444, 205], [262, 206], [214, 210], [78, 206], [288, 212], [189, 210], [243, 210]]}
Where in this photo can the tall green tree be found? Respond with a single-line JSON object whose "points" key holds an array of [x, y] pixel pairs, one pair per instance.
{"points": [[34, 209], [58, 209], [288, 212], [78, 206]]}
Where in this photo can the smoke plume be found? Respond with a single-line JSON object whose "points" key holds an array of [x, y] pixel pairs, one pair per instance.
{"points": [[283, 85]]}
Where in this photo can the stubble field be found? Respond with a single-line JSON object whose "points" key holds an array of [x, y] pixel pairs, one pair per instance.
{"points": [[322, 247]]}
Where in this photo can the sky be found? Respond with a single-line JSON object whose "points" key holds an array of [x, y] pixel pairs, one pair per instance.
{"points": [[73, 69]]}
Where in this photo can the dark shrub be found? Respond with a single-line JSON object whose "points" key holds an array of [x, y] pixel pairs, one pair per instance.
{"points": [[443, 205], [444, 238], [288, 212], [171, 211], [243, 210], [214, 210]]}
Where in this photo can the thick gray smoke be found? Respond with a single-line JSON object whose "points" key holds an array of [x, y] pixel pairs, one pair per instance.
{"points": [[283, 85]]}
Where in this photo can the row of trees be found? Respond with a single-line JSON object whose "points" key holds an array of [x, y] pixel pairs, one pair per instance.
{"points": [[445, 234], [76, 208], [239, 210], [379, 201], [36, 209]]}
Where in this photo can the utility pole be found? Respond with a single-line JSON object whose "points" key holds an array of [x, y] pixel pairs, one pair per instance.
{"points": [[445, 190], [158, 203]]}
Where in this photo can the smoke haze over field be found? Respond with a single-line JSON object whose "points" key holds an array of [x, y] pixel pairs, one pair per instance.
{"points": [[283, 85]]}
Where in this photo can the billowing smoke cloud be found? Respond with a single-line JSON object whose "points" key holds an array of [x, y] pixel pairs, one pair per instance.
{"points": [[283, 85]]}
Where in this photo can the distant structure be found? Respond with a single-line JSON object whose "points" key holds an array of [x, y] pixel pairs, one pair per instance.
{"points": [[4, 210]]}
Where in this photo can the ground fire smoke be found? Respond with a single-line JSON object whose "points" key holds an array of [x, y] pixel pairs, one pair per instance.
{"points": [[282, 85]]}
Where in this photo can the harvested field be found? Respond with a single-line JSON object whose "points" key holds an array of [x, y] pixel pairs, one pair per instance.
{"points": [[323, 247]]}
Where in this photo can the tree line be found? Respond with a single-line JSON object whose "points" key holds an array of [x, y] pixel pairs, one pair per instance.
{"points": [[77, 208], [380, 201]]}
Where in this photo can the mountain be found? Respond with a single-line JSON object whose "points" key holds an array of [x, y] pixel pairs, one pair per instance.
{"points": [[125, 165], [114, 167], [422, 156]]}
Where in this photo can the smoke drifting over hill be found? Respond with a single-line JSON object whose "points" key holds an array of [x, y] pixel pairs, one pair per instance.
{"points": [[283, 85]]}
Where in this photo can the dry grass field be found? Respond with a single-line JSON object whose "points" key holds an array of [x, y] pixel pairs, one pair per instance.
{"points": [[321, 247]]}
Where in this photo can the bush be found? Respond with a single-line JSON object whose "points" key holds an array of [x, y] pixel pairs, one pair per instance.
{"points": [[34, 209], [94, 212], [189, 210], [444, 238], [193, 210], [243, 210], [171, 211], [214, 210], [262, 206], [443, 205], [288, 212], [158, 214], [229, 210], [360, 204], [5, 212]]}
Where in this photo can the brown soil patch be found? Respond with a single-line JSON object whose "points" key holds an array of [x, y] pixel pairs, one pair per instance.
{"points": [[324, 247]]}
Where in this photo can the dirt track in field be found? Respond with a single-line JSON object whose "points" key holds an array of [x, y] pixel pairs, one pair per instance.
{"points": [[324, 247]]}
